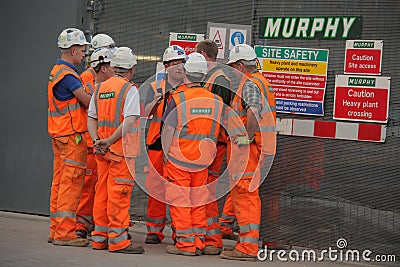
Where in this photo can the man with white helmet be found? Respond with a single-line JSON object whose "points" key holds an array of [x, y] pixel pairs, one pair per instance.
{"points": [[254, 104], [114, 126], [157, 97], [100, 62], [190, 133], [67, 125], [100, 40]]}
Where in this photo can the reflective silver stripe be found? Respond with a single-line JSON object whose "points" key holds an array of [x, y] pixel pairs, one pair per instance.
{"points": [[86, 220], [271, 129], [226, 224], [118, 239], [123, 180], [215, 118], [213, 172], [60, 112], [101, 229], [195, 136], [60, 71], [212, 220], [197, 230], [53, 215], [99, 238], [91, 89], [249, 227], [241, 112], [246, 174], [108, 124], [185, 239], [237, 130], [156, 119], [186, 164], [265, 92], [65, 214], [75, 162], [201, 238], [227, 217], [156, 220], [117, 230], [152, 229], [212, 232], [184, 232], [248, 239], [118, 109]]}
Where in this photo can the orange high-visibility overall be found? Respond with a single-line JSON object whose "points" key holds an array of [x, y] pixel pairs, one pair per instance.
{"points": [[246, 203], [115, 179], [66, 125], [213, 233], [155, 183], [192, 151], [84, 214]]}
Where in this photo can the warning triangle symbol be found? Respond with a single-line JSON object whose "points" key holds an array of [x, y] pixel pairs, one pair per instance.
{"points": [[217, 39], [258, 65]]}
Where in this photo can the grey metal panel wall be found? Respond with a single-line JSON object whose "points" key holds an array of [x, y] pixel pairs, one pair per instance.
{"points": [[29, 49]]}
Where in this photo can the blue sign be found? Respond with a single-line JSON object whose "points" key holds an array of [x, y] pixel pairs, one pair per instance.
{"points": [[237, 38], [299, 107]]}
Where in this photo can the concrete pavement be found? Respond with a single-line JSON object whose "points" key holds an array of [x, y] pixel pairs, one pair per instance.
{"points": [[24, 243]]}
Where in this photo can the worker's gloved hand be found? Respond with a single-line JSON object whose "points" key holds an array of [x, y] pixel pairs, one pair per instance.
{"points": [[243, 140]]}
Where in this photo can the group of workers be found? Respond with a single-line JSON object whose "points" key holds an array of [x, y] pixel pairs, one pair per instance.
{"points": [[198, 121]]}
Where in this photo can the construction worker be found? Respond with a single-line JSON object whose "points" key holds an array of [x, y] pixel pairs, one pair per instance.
{"points": [[67, 100], [190, 133], [100, 63], [157, 98], [100, 40], [217, 83], [250, 145], [114, 126]]}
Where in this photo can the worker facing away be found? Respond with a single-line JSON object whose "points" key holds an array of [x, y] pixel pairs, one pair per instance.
{"points": [[190, 133]]}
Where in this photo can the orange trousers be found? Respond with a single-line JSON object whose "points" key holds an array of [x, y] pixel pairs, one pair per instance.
{"points": [[84, 214], [155, 185], [112, 202], [246, 204], [66, 188], [189, 221], [213, 234], [228, 220]]}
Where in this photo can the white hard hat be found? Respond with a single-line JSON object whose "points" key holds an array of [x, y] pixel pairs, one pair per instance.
{"points": [[196, 63], [100, 55], [123, 57], [241, 51], [174, 52], [70, 37], [102, 40]]}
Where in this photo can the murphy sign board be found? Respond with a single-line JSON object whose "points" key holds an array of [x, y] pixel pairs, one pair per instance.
{"points": [[310, 27]]}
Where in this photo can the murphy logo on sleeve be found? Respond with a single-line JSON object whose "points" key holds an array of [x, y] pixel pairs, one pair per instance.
{"points": [[201, 111], [106, 95], [310, 28]]}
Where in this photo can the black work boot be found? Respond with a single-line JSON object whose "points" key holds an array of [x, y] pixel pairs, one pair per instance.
{"points": [[152, 239]]}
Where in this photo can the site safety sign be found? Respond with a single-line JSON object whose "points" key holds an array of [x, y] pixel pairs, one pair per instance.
{"points": [[363, 57], [187, 41], [298, 77], [361, 98]]}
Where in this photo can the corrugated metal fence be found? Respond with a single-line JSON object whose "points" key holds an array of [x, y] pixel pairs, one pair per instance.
{"points": [[318, 190]]}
